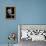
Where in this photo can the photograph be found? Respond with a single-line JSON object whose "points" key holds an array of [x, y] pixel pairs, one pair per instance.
{"points": [[10, 12], [29, 34]]}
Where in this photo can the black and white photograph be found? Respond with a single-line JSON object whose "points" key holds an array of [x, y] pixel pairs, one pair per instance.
{"points": [[29, 35], [10, 12]]}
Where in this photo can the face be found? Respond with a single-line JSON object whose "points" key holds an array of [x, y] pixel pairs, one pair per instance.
{"points": [[9, 11]]}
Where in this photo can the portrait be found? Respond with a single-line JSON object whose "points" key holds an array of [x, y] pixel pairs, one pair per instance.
{"points": [[10, 12]]}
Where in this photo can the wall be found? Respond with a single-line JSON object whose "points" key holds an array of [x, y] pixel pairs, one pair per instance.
{"points": [[31, 11], [27, 12], [6, 25]]}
